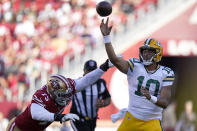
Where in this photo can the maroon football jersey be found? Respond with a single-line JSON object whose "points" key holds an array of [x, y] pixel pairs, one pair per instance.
{"points": [[25, 122]]}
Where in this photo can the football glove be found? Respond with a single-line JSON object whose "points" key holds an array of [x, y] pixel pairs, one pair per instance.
{"points": [[65, 117], [105, 66], [70, 116]]}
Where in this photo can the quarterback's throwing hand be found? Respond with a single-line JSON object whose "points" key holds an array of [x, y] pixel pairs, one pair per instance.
{"points": [[145, 93], [105, 28]]}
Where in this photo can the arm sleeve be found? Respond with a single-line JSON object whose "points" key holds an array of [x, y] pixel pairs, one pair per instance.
{"points": [[88, 79], [40, 113]]}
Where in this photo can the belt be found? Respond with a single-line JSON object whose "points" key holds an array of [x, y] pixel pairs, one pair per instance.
{"points": [[87, 118]]}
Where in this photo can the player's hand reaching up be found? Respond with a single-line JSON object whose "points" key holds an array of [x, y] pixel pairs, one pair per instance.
{"points": [[105, 28]]}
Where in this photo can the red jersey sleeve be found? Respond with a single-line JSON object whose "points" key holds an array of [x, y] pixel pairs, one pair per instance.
{"points": [[41, 97]]}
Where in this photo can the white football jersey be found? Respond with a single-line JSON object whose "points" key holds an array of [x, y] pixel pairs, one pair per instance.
{"points": [[137, 76]]}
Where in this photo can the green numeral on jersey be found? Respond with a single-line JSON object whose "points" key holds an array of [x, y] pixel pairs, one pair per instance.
{"points": [[140, 79], [149, 82]]}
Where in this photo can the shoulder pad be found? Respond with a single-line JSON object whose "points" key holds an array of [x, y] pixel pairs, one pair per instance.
{"points": [[132, 62], [169, 74], [135, 60], [40, 97], [168, 71]]}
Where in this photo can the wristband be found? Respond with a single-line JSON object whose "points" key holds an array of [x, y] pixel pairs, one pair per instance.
{"points": [[107, 39], [58, 117], [153, 99]]}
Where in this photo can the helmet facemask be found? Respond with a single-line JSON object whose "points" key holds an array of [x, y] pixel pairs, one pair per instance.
{"points": [[60, 90], [63, 98], [151, 45], [147, 61]]}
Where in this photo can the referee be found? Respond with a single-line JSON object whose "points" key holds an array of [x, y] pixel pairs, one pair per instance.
{"points": [[87, 102]]}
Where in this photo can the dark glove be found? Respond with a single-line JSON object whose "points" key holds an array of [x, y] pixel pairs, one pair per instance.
{"points": [[105, 66], [58, 117]]}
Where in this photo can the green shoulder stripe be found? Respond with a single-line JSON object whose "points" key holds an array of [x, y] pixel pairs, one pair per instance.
{"points": [[170, 77], [168, 80]]}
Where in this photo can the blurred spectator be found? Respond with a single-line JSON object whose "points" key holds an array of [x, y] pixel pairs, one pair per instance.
{"points": [[23, 83], [13, 113], [169, 117], [187, 119], [36, 36], [2, 66], [4, 91], [12, 85], [127, 6], [3, 122]]}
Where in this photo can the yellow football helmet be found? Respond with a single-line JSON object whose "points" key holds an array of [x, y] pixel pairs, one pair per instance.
{"points": [[151, 44], [59, 89]]}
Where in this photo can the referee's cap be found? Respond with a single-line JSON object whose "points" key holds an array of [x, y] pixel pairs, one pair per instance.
{"points": [[90, 65]]}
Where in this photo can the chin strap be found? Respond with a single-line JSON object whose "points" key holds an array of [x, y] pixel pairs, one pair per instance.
{"points": [[146, 63]]}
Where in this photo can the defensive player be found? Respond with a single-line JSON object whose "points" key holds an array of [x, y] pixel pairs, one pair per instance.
{"points": [[48, 102], [150, 84]]}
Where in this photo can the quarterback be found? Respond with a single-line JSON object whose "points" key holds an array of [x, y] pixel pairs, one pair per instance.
{"points": [[49, 102], [150, 84]]}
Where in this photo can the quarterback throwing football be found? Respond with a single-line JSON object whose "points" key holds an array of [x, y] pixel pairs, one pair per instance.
{"points": [[149, 83]]}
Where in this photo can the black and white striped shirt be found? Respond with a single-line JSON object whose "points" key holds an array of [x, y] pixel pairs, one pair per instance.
{"points": [[84, 102]]}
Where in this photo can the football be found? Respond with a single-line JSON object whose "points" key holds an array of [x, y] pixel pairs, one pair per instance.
{"points": [[104, 8]]}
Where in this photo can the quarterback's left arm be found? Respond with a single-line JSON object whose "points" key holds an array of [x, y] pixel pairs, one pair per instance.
{"points": [[167, 88], [165, 97], [166, 91]]}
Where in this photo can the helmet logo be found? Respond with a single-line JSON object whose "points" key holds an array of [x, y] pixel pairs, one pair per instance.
{"points": [[55, 84]]}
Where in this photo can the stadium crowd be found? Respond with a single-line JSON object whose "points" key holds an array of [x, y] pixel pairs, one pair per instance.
{"points": [[37, 35]]}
